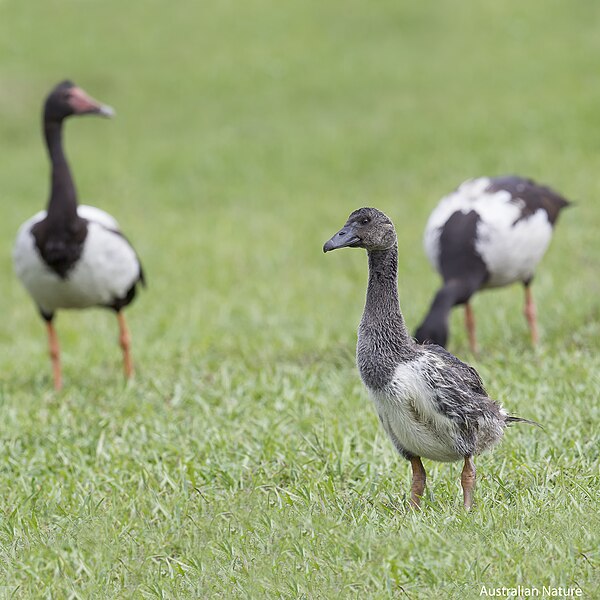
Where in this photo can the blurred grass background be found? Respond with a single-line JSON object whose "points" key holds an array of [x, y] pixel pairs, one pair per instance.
{"points": [[246, 460]]}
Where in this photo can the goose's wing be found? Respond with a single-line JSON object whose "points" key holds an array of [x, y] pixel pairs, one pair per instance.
{"points": [[97, 215], [459, 392], [530, 195], [142, 277], [463, 373], [106, 220]]}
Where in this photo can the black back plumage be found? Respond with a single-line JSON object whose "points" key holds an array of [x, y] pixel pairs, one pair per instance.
{"points": [[533, 195]]}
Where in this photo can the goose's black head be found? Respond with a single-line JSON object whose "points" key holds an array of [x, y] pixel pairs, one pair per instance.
{"points": [[67, 99], [365, 228]]}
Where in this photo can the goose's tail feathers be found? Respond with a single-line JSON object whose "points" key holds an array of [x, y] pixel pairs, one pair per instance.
{"points": [[511, 420]]}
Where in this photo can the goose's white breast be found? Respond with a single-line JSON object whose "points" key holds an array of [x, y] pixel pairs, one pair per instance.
{"points": [[408, 412], [106, 270]]}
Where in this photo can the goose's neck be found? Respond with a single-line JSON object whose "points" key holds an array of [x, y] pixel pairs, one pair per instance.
{"points": [[62, 205], [383, 342], [382, 308]]}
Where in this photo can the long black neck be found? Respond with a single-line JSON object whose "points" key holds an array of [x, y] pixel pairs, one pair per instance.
{"points": [[383, 341], [62, 205], [61, 235], [434, 327]]}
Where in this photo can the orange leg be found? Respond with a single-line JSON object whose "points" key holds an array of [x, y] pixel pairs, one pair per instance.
{"points": [[54, 355], [467, 480], [125, 342], [470, 324], [531, 315], [419, 477]]}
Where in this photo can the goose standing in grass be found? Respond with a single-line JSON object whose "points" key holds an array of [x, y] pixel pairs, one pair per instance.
{"points": [[431, 404], [72, 256], [490, 232]]}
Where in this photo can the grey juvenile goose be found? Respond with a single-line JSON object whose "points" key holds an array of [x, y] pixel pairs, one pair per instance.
{"points": [[431, 404]]}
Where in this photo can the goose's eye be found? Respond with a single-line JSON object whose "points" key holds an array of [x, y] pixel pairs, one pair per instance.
{"points": [[365, 221]]}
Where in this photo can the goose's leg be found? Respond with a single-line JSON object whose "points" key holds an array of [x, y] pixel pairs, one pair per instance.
{"points": [[530, 314], [125, 342], [419, 478], [54, 348], [470, 324], [467, 480]]}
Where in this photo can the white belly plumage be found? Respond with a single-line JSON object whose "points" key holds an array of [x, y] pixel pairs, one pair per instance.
{"points": [[510, 247], [408, 413], [106, 270]]}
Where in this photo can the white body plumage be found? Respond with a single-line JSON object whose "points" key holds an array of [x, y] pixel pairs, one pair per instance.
{"points": [[107, 269], [510, 245], [409, 409]]}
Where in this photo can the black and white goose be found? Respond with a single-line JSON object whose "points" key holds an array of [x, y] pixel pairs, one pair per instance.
{"points": [[70, 255], [431, 404], [490, 232]]}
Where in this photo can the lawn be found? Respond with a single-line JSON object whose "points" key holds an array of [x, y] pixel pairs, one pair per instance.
{"points": [[245, 460]]}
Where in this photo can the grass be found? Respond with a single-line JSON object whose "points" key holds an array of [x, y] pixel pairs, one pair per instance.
{"points": [[246, 460]]}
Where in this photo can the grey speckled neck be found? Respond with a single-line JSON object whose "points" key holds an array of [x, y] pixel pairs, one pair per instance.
{"points": [[383, 341]]}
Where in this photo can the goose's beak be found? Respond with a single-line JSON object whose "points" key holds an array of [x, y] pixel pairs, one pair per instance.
{"points": [[344, 238], [107, 111], [83, 104]]}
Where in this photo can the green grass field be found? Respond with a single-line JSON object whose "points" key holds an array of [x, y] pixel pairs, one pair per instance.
{"points": [[245, 460]]}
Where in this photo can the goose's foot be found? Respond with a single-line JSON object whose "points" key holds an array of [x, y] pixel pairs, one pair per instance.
{"points": [[470, 325], [531, 315], [125, 342], [54, 349], [419, 478], [467, 480]]}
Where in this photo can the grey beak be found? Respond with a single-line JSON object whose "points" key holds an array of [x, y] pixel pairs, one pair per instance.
{"points": [[344, 238]]}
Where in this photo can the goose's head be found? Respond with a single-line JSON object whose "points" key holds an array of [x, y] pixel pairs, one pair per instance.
{"points": [[67, 99], [365, 228]]}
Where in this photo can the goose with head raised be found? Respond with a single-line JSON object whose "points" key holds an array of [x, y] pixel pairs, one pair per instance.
{"points": [[430, 403], [71, 255], [490, 232]]}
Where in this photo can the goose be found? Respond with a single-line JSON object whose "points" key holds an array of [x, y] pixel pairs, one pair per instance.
{"points": [[431, 404], [71, 255], [489, 233]]}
